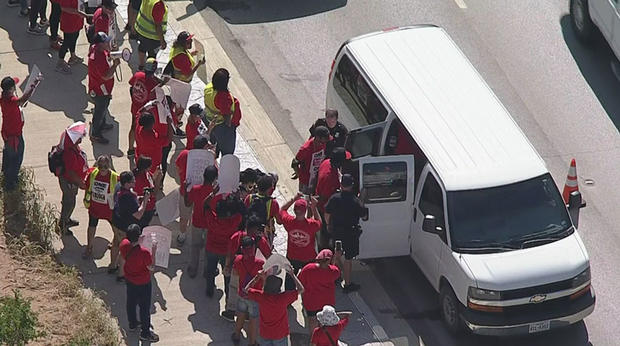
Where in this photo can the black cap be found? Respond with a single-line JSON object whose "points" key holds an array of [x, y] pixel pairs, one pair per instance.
{"points": [[108, 4], [247, 241], [347, 180], [8, 83], [321, 132], [184, 36], [196, 109]]}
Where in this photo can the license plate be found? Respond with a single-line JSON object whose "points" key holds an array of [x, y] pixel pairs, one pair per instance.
{"points": [[539, 326]]}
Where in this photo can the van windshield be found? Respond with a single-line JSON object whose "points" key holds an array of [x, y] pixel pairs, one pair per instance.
{"points": [[504, 218]]}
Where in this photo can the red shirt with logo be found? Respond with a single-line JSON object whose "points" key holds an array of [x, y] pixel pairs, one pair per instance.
{"points": [[273, 312], [99, 207], [150, 143], [70, 22], [101, 21], [144, 180], [310, 158], [141, 90], [247, 267], [319, 338], [197, 195], [137, 260], [98, 67], [12, 117], [235, 243], [319, 285], [220, 230], [328, 182], [301, 236]]}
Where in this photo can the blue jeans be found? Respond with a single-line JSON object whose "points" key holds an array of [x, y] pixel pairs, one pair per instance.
{"points": [[212, 261], [280, 342], [139, 296], [11, 163]]}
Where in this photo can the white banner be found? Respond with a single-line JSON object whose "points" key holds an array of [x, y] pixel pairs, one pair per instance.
{"points": [[197, 161], [179, 92], [163, 236], [228, 177], [168, 207]]}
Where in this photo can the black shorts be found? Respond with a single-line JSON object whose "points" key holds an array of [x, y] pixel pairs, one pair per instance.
{"points": [[350, 245], [147, 45], [135, 4]]}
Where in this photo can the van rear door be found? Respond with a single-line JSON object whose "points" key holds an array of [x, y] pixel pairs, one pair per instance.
{"points": [[387, 191]]}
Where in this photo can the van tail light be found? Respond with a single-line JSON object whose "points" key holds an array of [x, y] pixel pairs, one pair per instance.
{"points": [[580, 293], [331, 69], [485, 308]]}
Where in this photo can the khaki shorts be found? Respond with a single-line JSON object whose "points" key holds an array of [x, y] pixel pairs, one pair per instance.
{"points": [[184, 211]]}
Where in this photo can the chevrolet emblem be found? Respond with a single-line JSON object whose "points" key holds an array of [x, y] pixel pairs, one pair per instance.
{"points": [[539, 298]]}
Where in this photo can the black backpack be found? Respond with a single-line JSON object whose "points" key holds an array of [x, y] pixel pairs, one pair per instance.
{"points": [[260, 206], [55, 162]]}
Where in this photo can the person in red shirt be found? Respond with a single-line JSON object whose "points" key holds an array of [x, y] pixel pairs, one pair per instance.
{"points": [[308, 159], [331, 325], [98, 198], [221, 223], [319, 280], [194, 120], [246, 266], [12, 131], [71, 22], [74, 172], [138, 266], [182, 59], [149, 142], [100, 84], [145, 182], [195, 197], [141, 90], [103, 16], [274, 328], [301, 230], [328, 183]]}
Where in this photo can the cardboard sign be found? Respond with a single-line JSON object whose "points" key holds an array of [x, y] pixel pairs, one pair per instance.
{"points": [[33, 82], [163, 236], [168, 207], [179, 92], [201, 72], [162, 105], [278, 263], [228, 177], [197, 161], [315, 163]]}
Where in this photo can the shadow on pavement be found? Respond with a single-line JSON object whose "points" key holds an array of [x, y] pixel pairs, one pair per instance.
{"points": [[263, 11], [594, 62], [418, 303]]}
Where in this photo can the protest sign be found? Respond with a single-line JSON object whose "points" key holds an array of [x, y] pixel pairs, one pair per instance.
{"points": [[163, 236], [168, 207], [197, 161], [201, 72], [276, 265], [179, 92], [162, 105], [228, 177], [33, 81]]}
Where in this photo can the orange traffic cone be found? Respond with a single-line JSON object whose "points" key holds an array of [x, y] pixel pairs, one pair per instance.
{"points": [[571, 181]]}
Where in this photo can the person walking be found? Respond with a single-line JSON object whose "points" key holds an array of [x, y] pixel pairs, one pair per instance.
{"points": [[99, 198], [222, 112], [182, 59], [142, 86], [150, 142], [38, 9], [75, 167], [331, 325], [343, 212], [55, 13], [337, 130], [103, 16], [194, 121], [71, 22], [139, 263], [328, 183], [100, 84], [128, 210], [132, 13], [263, 205], [319, 279], [195, 197], [308, 159], [150, 27], [12, 130], [274, 327], [144, 183]]}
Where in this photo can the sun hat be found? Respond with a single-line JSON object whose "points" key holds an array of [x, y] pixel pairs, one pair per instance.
{"points": [[328, 317]]}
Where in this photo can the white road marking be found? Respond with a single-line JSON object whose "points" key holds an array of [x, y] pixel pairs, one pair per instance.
{"points": [[461, 4]]}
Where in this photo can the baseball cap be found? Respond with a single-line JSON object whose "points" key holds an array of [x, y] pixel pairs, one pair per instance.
{"points": [[300, 204], [196, 109], [325, 254], [109, 4], [150, 65], [347, 180], [102, 37], [247, 242], [184, 36], [9, 82]]}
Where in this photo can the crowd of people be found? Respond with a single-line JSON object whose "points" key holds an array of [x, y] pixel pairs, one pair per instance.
{"points": [[237, 229]]}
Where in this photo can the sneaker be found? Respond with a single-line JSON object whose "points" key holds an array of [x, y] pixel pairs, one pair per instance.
{"points": [[24, 13], [54, 45], [228, 315], [133, 328], [73, 223], [150, 336], [63, 68], [13, 3], [44, 22], [74, 60], [181, 239], [37, 30], [178, 133], [352, 287], [131, 153]]}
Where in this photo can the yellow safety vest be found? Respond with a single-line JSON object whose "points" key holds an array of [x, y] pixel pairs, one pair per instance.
{"points": [[145, 25], [211, 110], [89, 190], [177, 73]]}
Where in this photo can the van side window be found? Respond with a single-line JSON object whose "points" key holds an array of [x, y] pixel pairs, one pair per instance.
{"points": [[399, 142], [385, 182], [431, 200], [357, 94]]}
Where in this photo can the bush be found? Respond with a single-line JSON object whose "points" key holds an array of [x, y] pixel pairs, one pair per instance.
{"points": [[18, 323]]}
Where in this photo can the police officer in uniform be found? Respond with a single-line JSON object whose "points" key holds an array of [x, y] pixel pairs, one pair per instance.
{"points": [[336, 129]]}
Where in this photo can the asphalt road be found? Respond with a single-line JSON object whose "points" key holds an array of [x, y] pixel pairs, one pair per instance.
{"points": [[562, 94]]}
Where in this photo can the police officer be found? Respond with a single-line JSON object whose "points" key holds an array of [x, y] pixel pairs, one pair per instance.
{"points": [[343, 212], [336, 129]]}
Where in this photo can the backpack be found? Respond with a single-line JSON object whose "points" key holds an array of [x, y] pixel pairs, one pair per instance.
{"points": [[260, 206], [55, 162]]}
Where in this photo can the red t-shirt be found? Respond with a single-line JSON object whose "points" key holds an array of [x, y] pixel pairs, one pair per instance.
{"points": [[235, 242], [141, 90], [158, 12], [98, 67], [223, 101], [247, 268], [70, 22], [220, 231], [301, 236], [181, 163], [319, 285], [273, 312], [274, 210], [99, 207], [320, 339], [306, 155], [197, 195], [181, 62], [12, 117], [328, 182], [137, 260], [191, 131], [145, 179], [162, 129], [149, 143], [75, 160], [101, 21]]}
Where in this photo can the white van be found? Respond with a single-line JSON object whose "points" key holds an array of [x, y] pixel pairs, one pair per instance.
{"points": [[587, 15], [451, 180]]}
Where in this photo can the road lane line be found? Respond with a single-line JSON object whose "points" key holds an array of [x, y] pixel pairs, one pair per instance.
{"points": [[461, 4]]}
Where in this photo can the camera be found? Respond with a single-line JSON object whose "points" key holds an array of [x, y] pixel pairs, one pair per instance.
{"points": [[149, 190]]}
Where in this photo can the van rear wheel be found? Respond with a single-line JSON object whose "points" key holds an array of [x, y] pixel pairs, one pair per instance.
{"points": [[581, 20], [450, 311]]}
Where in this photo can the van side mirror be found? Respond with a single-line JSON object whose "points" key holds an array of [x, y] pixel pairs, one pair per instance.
{"points": [[430, 225], [575, 202]]}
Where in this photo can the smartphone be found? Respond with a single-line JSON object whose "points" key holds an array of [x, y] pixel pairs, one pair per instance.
{"points": [[338, 245]]}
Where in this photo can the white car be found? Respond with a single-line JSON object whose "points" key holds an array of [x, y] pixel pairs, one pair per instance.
{"points": [[587, 15]]}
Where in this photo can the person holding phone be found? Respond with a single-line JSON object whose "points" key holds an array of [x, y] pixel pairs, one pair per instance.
{"points": [[144, 184]]}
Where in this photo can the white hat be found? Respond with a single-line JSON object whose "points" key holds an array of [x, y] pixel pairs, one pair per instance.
{"points": [[328, 317]]}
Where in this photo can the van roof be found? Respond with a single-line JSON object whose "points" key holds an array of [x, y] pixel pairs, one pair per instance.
{"points": [[468, 136]]}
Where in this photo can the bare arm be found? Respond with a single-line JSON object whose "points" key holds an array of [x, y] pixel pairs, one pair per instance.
{"points": [[298, 284], [138, 215], [253, 281], [160, 34], [344, 314], [110, 73], [290, 202], [313, 208]]}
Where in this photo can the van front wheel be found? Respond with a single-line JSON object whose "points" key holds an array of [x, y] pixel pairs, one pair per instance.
{"points": [[449, 308], [581, 21]]}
